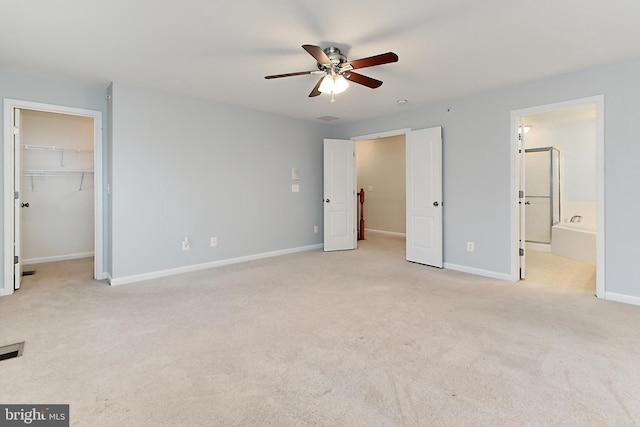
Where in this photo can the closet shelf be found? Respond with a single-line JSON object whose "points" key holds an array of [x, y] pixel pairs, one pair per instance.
{"points": [[52, 148], [56, 172], [60, 150]]}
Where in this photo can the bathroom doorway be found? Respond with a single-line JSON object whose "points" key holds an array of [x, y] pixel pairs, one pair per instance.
{"points": [[560, 163]]}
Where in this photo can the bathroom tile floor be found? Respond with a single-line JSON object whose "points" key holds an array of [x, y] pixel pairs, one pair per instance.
{"points": [[548, 269]]}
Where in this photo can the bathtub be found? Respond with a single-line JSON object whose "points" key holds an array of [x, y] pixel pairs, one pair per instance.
{"points": [[574, 240]]}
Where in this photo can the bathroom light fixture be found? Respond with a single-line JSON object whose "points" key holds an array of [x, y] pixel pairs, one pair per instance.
{"points": [[333, 84]]}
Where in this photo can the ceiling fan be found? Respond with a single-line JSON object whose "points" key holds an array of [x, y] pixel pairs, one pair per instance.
{"points": [[337, 72]]}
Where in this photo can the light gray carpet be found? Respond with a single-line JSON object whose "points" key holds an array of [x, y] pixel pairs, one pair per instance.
{"points": [[358, 338]]}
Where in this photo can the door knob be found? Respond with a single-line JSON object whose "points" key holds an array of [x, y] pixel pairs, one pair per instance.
{"points": [[436, 204], [25, 205], [328, 201]]}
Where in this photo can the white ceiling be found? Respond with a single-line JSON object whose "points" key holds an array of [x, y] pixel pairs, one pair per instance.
{"points": [[222, 49]]}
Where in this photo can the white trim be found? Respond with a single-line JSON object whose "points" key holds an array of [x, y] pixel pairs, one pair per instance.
{"points": [[600, 232], [610, 296], [8, 204], [9, 105], [67, 257], [381, 134], [207, 265], [479, 272], [540, 247], [600, 198], [385, 233]]}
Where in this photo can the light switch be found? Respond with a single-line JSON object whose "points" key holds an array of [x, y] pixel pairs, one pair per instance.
{"points": [[295, 174], [295, 188]]}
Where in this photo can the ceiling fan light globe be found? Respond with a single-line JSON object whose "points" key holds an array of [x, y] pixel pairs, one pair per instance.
{"points": [[333, 84], [340, 84]]}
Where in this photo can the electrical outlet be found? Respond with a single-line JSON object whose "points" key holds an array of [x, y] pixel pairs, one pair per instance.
{"points": [[186, 244], [214, 241], [471, 246], [315, 229]]}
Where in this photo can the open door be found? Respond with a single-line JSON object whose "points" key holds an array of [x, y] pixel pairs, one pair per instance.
{"points": [[339, 195], [17, 170], [521, 196], [424, 196]]}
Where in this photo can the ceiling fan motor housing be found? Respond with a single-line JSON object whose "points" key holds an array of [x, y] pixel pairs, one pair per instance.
{"points": [[335, 56]]}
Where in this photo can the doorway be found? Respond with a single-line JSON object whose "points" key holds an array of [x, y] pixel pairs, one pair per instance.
{"points": [[559, 163], [423, 174], [65, 173], [381, 173]]}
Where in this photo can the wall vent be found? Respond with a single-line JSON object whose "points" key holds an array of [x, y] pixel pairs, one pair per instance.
{"points": [[11, 351], [327, 118]]}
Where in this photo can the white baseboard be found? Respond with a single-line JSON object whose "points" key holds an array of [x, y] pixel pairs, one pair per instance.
{"points": [[540, 247], [384, 233], [610, 296], [67, 257], [190, 268], [479, 272]]}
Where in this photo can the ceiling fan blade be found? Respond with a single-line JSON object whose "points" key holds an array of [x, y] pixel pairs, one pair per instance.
{"points": [[317, 53], [299, 73], [315, 91], [363, 80], [384, 58]]}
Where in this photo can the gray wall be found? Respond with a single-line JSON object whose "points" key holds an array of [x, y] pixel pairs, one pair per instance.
{"points": [[184, 167], [49, 91], [476, 156]]}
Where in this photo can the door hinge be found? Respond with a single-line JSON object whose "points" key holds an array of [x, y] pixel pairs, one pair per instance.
{"points": [[16, 195], [521, 252], [16, 259]]}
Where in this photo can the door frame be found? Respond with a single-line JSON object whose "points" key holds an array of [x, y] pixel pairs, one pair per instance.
{"points": [[9, 167], [600, 177]]}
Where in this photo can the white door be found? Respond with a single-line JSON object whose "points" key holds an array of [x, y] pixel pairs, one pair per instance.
{"points": [[339, 195], [17, 170], [424, 196], [521, 195]]}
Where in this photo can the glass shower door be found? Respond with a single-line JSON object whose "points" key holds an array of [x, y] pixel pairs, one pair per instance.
{"points": [[542, 193]]}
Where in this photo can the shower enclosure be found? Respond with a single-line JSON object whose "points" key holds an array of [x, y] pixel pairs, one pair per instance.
{"points": [[542, 193]]}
